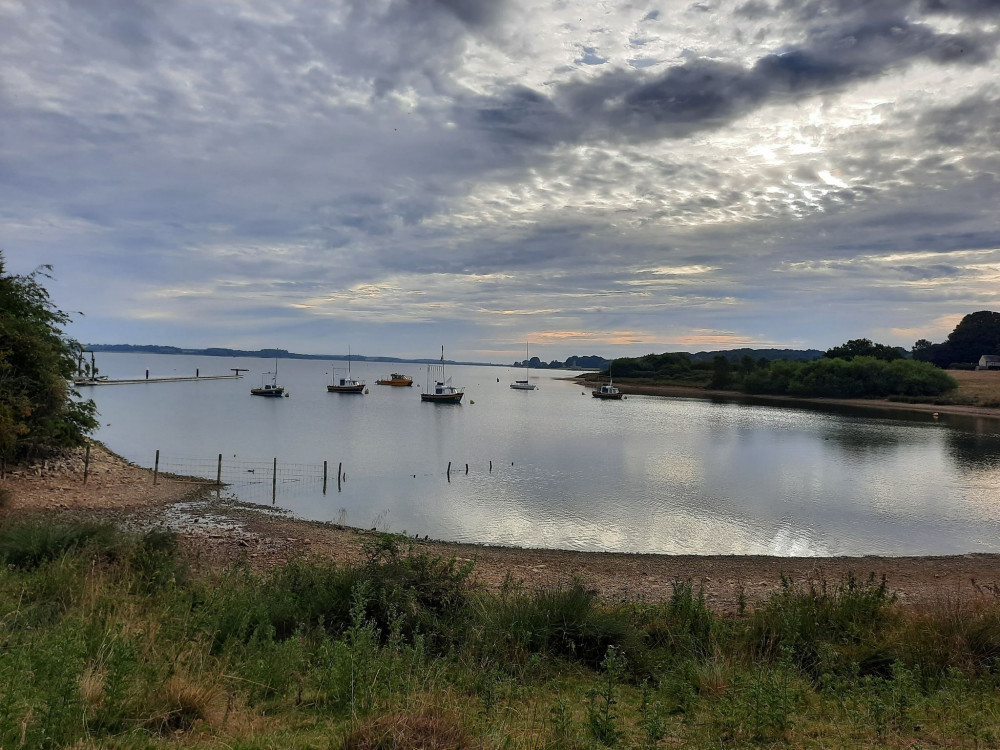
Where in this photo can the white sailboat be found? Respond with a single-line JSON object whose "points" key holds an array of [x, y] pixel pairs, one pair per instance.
{"points": [[524, 385]]}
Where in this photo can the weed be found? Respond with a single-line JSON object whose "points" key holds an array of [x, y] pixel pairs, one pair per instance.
{"points": [[815, 625], [602, 716], [33, 543]]}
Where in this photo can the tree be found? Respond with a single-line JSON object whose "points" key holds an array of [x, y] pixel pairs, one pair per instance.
{"points": [[37, 408], [721, 377], [863, 348], [976, 334]]}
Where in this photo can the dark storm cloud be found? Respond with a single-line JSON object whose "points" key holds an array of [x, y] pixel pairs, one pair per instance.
{"points": [[704, 93]]}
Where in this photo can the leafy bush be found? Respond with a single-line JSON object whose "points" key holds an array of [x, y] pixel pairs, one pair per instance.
{"points": [[407, 593], [37, 410], [823, 629], [565, 622], [32, 543], [860, 377]]}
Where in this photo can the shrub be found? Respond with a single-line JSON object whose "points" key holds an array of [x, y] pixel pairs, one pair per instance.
{"points": [[32, 543], [822, 629], [564, 622]]}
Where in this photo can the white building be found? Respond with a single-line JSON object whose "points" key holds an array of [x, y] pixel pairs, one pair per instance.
{"points": [[989, 362]]}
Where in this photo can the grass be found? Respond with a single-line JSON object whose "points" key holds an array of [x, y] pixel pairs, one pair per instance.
{"points": [[109, 642]]}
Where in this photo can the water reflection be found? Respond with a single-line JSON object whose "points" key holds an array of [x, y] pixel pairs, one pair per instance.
{"points": [[554, 469]]}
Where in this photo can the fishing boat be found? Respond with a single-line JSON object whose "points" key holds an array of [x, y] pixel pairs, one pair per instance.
{"points": [[524, 385], [396, 379], [607, 390], [346, 384], [443, 391], [271, 389]]}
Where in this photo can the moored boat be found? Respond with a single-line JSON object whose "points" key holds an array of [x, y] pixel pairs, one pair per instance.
{"points": [[346, 384], [396, 379], [524, 385], [271, 389], [443, 391], [607, 391]]}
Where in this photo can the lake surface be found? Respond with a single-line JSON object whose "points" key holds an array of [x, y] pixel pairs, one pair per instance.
{"points": [[556, 468]]}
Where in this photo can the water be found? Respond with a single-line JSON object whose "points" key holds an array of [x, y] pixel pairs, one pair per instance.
{"points": [[647, 474]]}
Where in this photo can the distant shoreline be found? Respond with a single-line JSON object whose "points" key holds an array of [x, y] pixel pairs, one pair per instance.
{"points": [[680, 391]]}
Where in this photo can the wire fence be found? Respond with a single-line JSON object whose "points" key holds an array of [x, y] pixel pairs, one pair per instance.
{"points": [[271, 476]]}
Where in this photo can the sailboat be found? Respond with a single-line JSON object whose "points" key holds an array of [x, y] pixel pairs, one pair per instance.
{"points": [[607, 390], [443, 391], [269, 389], [348, 384], [524, 385]]}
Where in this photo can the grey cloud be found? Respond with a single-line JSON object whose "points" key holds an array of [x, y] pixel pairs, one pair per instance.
{"points": [[703, 93], [923, 273]]}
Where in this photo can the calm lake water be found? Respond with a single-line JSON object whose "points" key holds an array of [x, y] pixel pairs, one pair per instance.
{"points": [[647, 474]]}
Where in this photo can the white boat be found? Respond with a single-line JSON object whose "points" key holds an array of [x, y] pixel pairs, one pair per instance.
{"points": [[348, 384], [524, 385], [607, 390], [443, 391], [271, 389]]}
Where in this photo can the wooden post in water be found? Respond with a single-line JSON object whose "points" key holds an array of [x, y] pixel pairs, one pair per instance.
{"points": [[324, 477], [340, 466], [196, 373], [86, 464], [156, 466], [218, 473], [491, 466], [274, 481], [449, 471], [466, 468]]}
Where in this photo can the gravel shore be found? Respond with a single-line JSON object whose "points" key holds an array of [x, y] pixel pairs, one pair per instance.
{"points": [[214, 532]]}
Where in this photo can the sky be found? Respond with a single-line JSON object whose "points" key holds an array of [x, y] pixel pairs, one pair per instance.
{"points": [[612, 178]]}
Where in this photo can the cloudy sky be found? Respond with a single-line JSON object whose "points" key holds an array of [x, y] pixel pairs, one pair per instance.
{"points": [[608, 177]]}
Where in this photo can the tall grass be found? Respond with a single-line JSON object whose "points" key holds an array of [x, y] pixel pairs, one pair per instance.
{"points": [[108, 642]]}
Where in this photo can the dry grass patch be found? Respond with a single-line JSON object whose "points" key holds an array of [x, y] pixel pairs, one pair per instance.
{"points": [[182, 704], [979, 387], [427, 730]]}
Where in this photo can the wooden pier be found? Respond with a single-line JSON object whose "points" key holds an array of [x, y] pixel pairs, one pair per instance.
{"points": [[79, 382]]}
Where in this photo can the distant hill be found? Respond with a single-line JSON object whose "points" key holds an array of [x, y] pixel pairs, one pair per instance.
{"points": [[735, 355], [263, 353]]}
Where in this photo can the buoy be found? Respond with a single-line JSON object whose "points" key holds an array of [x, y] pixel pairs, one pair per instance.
{"points": [[287, 395], [471, 402], [935, 415]]}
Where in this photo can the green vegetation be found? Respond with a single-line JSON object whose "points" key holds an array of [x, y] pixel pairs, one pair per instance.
{"points": [[37, 410], [975, 335], [857, 369], [110, 642]]}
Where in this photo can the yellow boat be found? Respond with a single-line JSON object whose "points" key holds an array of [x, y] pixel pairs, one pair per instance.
{"points": [[395, 379]]}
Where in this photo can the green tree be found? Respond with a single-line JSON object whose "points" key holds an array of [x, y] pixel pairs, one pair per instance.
{"points": [[721, 376], [864, 348], [976, 334], [38, 411]]}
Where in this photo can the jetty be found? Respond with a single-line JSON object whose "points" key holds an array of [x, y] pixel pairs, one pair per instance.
{"points": [[83, 381]]}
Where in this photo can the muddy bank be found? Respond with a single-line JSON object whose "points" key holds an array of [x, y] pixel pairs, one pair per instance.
{"points": [[215, 532]]}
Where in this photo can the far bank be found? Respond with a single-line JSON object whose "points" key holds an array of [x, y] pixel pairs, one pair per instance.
{"points": [[973, 386]]}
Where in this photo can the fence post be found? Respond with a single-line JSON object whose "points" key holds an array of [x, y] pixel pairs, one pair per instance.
{"points": [[274, 481], [156, 467], [324, 477], [218, 473], [86, 464]]}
